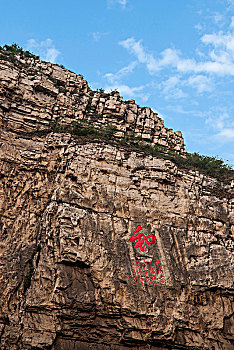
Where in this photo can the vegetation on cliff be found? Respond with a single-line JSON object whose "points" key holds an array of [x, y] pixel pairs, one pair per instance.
{"points": [[208, 165], [9, 52]]}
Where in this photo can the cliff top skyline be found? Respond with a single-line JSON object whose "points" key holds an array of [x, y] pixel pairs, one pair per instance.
{"points": [[176, 58]]}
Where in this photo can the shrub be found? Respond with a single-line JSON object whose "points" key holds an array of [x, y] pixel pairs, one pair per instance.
{"points": [[9, 52]]}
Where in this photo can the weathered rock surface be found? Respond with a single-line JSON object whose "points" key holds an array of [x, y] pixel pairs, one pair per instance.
{"points": [[69, 277], [35, 94]]}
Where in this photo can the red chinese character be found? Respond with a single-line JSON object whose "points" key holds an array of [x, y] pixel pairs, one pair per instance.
{"points": [[148, 280], [141, 239]]}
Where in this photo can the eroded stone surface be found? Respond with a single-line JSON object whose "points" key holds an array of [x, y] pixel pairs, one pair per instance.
{"points": [[35, 93], [67, 212]]}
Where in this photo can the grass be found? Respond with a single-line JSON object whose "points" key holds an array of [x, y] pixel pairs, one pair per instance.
{"points": [[9, 53], [207, 165]]}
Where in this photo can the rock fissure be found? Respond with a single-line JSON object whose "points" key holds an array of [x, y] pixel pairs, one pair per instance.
{"points": [[70, 277]]}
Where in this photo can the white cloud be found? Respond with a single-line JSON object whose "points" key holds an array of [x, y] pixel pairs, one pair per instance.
{"points": [[200, 82], [198, 27], [222, 124], [220, 40], [226, 135], [218, 17], [97, 36], [217, 120], [232, 22], [220, 65], [128, 91], [169, 57], [170, 88], [171, 83], [136, 48], [44, 48], [115, 77], [123, 3], [219, 60]]}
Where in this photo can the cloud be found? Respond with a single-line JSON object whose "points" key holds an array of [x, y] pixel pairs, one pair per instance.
{"points": [[97, 36], [201, 83], [226, 135], [173, 86], [220, 40], [218, 61], [217, 120], [122, 3], [230, 2], [44, 48], [221, 64], [136, 48], [218, 17], [170, 88], [128, 91], [223, 125], [115, 77], [198, 27], [232, 22]]}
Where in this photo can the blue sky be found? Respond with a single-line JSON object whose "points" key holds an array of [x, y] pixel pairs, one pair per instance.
{"points": [[176, 57]]}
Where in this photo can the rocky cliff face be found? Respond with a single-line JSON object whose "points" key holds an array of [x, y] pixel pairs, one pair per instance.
{"points": [[102, 247], [34, 93]]}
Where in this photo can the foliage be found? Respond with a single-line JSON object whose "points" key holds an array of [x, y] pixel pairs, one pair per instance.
{"points": [[211, 166], [207, 165], [83, 128], [9, 53]]}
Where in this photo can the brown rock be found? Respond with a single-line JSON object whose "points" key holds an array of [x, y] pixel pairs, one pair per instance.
{"points": [[70, 278]]}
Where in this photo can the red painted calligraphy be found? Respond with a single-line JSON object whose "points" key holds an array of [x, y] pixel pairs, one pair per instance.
{"points": [[142, 240], [148, 272]]}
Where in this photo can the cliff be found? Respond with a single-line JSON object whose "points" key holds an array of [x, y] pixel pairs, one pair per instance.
{"points": [[101, 246]]}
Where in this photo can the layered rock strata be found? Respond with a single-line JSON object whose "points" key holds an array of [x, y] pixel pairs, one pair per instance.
{"points": [[34, 93], [70, 278]]}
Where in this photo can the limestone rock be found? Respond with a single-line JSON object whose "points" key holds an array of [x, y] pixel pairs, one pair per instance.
{"points": [[70, 276]]}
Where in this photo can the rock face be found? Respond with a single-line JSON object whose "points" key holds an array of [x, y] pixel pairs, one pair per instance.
{"points": [[35, 93], [102, 247]]}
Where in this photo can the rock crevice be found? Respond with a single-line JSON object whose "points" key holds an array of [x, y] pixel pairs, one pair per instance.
{"points": [[70, 276]]}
